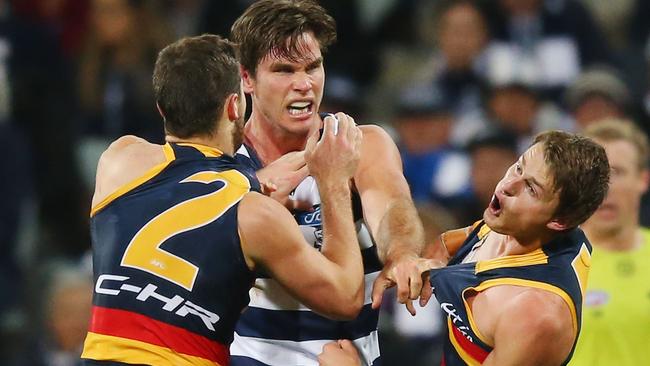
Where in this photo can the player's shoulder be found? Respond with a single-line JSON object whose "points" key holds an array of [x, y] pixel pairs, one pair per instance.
{"points": [[128, 146], [131, 152], [543, 312], [376, 141], [375, 132], [125, 160], [258, 210]]}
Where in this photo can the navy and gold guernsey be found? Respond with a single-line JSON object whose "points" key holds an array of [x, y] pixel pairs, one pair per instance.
{"points": [[560, 266], [277, 329], [170, 275]]}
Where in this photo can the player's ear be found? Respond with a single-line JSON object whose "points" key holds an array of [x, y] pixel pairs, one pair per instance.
{"points": [[557, 225], [233, 107], [160, 111], [247, 80]]}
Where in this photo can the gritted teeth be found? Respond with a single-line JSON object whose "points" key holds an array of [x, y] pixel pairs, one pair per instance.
{"points": [[297, 108], [299, 105]]}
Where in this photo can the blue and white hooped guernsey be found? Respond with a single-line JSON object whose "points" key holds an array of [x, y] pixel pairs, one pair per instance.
{"points": [[276, 329]]}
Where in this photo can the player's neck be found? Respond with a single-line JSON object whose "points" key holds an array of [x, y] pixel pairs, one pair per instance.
{"points": [[212, 141], [270, 142], [625, 238], [511, 245]]}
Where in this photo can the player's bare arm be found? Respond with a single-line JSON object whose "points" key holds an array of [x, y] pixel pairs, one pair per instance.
{"points": [[391, 217], [332, 283], [534, 327], [126, 159]]}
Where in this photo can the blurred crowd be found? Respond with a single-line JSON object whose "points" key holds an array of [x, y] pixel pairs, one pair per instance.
{"points": [[461, 85]]}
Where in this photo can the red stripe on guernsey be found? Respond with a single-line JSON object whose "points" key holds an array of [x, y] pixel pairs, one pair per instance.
{"points": [[127, 324], [473, 350]]}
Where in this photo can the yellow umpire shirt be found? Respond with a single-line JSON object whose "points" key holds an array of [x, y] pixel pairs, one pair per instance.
{"points": [[616, 309]]}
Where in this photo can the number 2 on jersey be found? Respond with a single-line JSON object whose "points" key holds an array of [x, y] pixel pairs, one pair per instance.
{"points": [[144, 252]]}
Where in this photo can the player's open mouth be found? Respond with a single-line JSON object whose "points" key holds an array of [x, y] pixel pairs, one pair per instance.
{"points": [[300, 109], [495, 205]]}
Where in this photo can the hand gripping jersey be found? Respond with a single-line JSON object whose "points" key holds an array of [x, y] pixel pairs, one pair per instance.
{"points": [[560, 266], [170, 275], [276, 329]]}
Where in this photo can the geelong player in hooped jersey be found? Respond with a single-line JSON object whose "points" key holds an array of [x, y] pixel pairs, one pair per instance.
{"points": [[180, 230], [281, 52], [512, 290]]}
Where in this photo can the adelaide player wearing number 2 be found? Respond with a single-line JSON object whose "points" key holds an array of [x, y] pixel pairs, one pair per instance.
{"points": [[179, 229]]}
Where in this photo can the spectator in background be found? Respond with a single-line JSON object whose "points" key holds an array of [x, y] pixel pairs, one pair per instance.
{"points": [[615, 318], [37, 102], [458, 66], [115, 77], [597, 94], [115, 70], [341, 93], [543, 42], [435, 171], [518, 108], [491, 154], [67, 20], [66, 313], [448, 55]]}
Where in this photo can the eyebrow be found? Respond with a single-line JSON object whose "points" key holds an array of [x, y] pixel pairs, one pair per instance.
{"points": [[276, 65], [532, 179]]}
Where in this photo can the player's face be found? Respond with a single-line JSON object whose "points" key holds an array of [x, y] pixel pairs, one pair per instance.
{"points": [[524, 201], [627, 185], [287, 93]]}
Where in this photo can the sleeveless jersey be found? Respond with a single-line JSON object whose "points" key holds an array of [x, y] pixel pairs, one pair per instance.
{"points": [[170, 275], [560, 266], [276, 329], [616, 312]]}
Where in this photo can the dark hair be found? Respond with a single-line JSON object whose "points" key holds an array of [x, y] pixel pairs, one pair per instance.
{"points": [[580, 172], [192, 79], [276, 27]]}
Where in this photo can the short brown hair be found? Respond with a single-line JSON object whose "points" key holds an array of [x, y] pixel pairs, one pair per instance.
{"points": [[276, 27], [580, 172], [614, 129], [192, 79]]}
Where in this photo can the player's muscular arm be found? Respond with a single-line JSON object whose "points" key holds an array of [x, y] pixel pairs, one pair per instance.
{"points": [[331, 283], [387, 205], [532, 328], [125, 160], [391, 217]]}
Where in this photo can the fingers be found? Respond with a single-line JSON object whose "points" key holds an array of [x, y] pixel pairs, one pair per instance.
{"points": [[294, 159], [331, 126], [331, 345], [403, 288], [410, 307], [347, 345], [300, 175], [427, 292], [311, 142], [268, 187], [415, 286], [378, 287]]}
